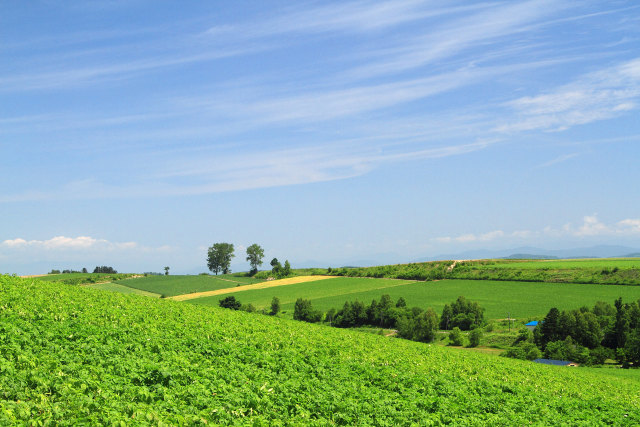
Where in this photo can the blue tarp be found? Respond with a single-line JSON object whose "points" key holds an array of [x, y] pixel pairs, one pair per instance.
{"points": [[552, 362]]}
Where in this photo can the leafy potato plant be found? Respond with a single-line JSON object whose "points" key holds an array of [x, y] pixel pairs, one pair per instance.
{"points": [[72, 355]]}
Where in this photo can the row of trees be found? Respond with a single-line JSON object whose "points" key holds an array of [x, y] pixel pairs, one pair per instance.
{"points": [[102, 269], [105, 269], [67, 271], [411, 323], [586, 335], [234, 304], [219, 258]]}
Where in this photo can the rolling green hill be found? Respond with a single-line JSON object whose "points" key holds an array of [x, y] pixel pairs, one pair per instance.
{"points": [[72, 355]]}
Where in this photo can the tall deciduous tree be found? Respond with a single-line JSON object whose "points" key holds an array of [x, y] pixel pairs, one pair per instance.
{"points": [[254, 255], [219, 257]]}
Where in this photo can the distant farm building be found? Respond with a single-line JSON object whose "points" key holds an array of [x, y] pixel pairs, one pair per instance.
{"points": [[532, 325]]}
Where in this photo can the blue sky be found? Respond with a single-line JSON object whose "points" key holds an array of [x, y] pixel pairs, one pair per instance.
{"points": [[136, 133]]}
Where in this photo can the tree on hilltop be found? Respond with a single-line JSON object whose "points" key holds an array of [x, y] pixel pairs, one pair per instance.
{"points": [[105, 269], [254, 255], [219, 257]]}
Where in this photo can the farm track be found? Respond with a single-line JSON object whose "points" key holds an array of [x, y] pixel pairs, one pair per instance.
{"points": [[262, 285]]}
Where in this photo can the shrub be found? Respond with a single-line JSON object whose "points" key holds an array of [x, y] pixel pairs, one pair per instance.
{"points": [[455, 337], [230, 302], [523, 351], [249, 308], [305, 312], [474, 337], [275, 306]]}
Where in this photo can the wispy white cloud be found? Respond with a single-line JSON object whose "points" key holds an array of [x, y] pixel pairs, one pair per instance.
{"points": [[597, 96], [494, 21], [590, 227], [557, 160], [75, 244], [376, 121], [470, 237], [73, 76], [345, 17], [70, 243], [214, 173], [629, 226]]}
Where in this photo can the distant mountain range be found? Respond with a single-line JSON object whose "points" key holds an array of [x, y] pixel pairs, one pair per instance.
{"points": [[529, 256], [527, 252]]}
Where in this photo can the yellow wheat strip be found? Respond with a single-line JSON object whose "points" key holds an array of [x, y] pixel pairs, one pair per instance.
{"points": [[262, 285]]}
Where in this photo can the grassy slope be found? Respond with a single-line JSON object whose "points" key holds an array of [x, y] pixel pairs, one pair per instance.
{"points": [[74, 355], [178, 285], [521, 299]]}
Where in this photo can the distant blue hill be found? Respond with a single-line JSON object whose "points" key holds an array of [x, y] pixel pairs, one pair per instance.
{"points": [[529, 256], [600, 251]]}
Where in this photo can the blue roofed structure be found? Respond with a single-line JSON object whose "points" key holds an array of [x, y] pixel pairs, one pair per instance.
{"points": [[532, 325]]}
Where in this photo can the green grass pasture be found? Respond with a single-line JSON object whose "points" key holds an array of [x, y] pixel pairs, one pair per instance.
{"points": [[179, 285], [77, 356], [521, 299]]}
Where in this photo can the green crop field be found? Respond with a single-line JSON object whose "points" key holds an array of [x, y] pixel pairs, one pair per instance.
{"points": [[114, 287], [179, 285], [521, 299], [74, 355], [597, 263], [616, 371]]}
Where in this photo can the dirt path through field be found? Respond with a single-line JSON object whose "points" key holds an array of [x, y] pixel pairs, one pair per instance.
{"points": [[262, 285]]}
